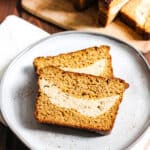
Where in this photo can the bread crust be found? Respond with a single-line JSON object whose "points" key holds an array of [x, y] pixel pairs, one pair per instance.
{"points": [[132, 23], [105, 16], [132, 13]]}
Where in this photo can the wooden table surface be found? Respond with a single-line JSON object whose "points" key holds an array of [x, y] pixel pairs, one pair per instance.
{"points": [[8, 141]]}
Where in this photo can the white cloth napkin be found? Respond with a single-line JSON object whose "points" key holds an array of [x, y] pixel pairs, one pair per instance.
{"points": [[15, 35]]}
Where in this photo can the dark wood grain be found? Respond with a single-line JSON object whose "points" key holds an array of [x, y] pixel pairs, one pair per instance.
{"points": [[8, 141], [3, 137], [13, 143]]}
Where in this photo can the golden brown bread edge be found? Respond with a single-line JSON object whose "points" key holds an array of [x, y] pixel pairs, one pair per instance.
{"points": [[43, 98], [103, 13], [105, 16], [136, 14], [132, 23]]}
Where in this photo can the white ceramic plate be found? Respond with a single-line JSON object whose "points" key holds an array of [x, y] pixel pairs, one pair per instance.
{"points": [[18, 95]]}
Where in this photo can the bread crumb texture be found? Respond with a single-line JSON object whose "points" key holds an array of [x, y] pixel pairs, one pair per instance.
{"points": [[79, 86], [78, 59]]}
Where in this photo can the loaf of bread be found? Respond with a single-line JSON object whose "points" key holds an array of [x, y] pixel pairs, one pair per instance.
{"points": [[82, 4], [136, 13], [93, 60], [108, 10], [78, 100]]}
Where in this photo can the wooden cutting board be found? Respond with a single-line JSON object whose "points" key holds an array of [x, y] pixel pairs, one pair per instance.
{"points": [[63, 14]]}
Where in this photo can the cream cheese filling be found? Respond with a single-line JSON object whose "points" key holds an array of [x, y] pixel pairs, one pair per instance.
{"points": [[96, 68], [116, 8], [143, 11], [88, 107]]}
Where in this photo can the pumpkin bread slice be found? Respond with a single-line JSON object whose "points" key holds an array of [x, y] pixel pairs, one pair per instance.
{"points": [[78, 100]]}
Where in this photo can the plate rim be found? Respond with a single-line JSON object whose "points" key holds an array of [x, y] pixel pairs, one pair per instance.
{"points": [[24, 51]]}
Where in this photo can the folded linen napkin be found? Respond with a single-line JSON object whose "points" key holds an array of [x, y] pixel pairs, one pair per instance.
{"points": [[15, 35]]}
